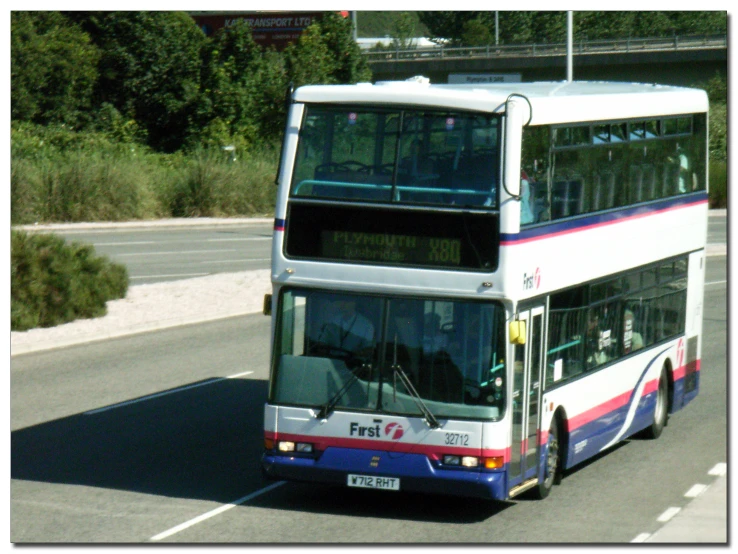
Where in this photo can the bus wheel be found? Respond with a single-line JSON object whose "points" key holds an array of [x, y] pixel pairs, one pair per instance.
{"points": [[553, 463], [661, 411]]}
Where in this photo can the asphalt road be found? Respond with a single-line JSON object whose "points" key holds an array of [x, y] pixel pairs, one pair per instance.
{"points": [[158, 437], [155, 254]]}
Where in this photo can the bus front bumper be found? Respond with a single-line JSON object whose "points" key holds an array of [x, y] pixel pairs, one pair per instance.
{"points": [[416, 472]]}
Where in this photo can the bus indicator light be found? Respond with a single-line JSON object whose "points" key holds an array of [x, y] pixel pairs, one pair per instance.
{"points": [[495, 462]]}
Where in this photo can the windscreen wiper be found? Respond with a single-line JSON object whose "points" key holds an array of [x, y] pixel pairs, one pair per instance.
{"points": [[430, 419], [327, 408]]}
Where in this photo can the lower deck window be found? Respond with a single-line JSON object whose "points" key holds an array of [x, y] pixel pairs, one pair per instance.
{"points": [[596, 323]]}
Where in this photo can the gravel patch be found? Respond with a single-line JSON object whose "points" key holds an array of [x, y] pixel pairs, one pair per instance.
{"points": [[157, 306]]}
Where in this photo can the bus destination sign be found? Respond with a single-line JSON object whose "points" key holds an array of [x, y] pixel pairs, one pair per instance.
{"points": [[391, 248]]}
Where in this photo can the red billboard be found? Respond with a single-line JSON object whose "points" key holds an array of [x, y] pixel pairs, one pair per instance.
{"points": [[276, 29]]}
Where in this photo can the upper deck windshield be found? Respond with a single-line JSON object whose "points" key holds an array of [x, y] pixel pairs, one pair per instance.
{"points": [[413, 156], [348, 351]]}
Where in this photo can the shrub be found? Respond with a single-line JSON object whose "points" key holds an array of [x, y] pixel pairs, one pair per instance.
{"points": [[210, 183], [53, 282], [718, 184]]}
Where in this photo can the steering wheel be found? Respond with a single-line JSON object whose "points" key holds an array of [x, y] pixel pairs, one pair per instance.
{"points": [[351, 165]]}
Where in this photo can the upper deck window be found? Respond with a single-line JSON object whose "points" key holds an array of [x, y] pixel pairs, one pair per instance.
{"points": [[409, 156]]}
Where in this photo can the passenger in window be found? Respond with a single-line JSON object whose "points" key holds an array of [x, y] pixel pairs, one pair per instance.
{"points": [[526, 200], [631, 339], [598, 341], [687, 179]]}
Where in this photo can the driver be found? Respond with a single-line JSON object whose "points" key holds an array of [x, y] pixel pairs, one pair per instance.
{"points": [[347, 329]]}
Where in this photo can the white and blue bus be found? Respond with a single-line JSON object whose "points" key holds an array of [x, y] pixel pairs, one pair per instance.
{"points": [[476, 288]]}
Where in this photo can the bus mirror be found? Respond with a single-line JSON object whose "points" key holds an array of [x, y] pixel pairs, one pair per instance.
{"points": [[267, 304], [517, 332]]}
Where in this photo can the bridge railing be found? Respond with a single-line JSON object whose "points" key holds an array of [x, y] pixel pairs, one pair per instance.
{"points": [[610, 46]]}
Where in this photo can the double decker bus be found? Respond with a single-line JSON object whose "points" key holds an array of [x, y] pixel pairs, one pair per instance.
{"points": [[477, 287]]}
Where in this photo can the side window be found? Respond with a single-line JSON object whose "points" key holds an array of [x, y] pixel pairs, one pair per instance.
{"points": [[567, 317], [570, 182], [534, 175], [593, 325]]}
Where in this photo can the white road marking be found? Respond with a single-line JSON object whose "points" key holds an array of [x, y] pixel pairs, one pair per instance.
{"points": [[695, 491], [719, 470], [169, 275], [239, 239], [165, 393], [643, 537], [125, 243], [668, 514], [162, 253], [715, 283], [236, 261], [215, 512]]}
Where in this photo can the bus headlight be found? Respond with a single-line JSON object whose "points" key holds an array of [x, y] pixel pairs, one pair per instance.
{"points": [[451, 460], [289, 446], [470, 461], [286, 446]]}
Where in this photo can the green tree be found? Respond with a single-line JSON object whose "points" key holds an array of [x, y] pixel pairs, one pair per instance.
{"points": [[149, 70], [309, 61], [350, 65], [446, 25], [477, 32], [53, 69], [326, 54], [403, 31], [242, 91], [225, 109]]}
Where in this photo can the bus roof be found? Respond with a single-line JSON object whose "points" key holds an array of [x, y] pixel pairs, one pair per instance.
{"points": [[551, 102]]}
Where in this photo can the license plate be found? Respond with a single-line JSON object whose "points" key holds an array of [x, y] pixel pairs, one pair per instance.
{"points": [[374, 482]]}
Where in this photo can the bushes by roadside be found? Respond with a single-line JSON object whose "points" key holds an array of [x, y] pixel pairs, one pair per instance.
{"points": [[58, 175], [53, 282]]}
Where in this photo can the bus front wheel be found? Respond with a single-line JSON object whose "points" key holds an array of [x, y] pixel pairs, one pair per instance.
{"points": [[553, 463]]}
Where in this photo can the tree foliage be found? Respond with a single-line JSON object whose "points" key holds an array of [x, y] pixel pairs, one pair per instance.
{"points": [[149, 69], [154, 78], [466, 28], [326, 53], [53, 69]]}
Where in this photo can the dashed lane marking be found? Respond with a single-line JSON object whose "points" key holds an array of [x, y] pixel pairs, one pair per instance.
{"points": [[668, 514], [215, 512], [695, 491]]}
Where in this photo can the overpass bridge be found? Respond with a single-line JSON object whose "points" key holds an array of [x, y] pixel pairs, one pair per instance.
{"points": [[685, 60]]}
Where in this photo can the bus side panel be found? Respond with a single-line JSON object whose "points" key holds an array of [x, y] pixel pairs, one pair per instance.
{"points": [[609, 405], [687, 369]]}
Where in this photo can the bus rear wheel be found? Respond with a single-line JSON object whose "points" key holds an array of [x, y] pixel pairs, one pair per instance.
{"points": [[661, 410], [553, 463]]}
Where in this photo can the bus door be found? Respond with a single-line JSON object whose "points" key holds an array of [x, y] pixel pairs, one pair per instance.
{"points": [[526, 396]]}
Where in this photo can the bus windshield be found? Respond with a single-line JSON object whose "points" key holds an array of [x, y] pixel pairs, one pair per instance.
{"points": [[348, 351], [409, 156]]}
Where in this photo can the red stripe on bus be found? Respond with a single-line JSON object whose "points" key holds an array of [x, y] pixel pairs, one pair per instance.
{"points": [[598, 411], [691, 367], [432, 451]]}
